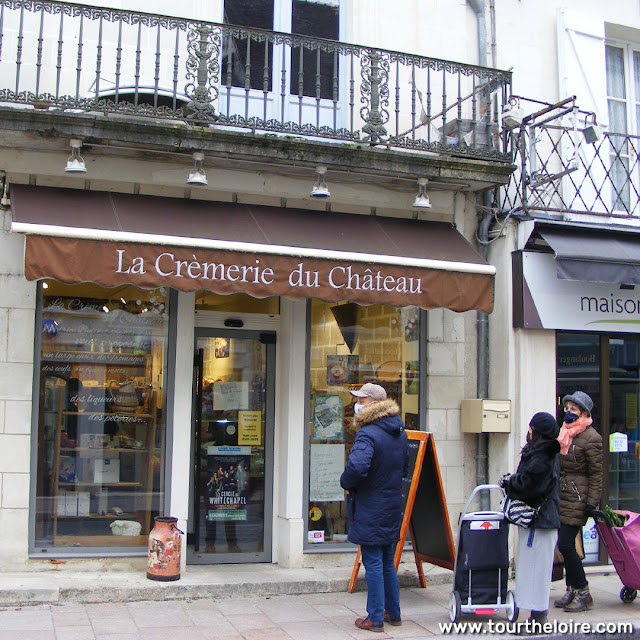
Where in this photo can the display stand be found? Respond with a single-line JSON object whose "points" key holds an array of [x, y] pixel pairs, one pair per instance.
{"points": [[86, 459], [425, 516]]}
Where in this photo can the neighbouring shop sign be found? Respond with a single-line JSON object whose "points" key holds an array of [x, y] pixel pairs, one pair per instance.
{"points": [[543, 301], [259, 275]]}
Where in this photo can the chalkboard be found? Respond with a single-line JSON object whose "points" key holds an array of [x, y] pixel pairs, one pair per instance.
{"points": [[430, 528], [425, 516]]}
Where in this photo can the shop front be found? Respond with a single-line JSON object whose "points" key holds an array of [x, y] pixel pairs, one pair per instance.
{"points": [[587, 291], [195, 359]]}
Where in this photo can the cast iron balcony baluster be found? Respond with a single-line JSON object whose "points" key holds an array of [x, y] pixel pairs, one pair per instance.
{"points": [[103, 60], [203, 70], [375, 94]]}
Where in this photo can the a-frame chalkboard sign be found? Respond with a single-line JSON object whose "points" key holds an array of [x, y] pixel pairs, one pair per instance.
{"points": [[425, 515]]}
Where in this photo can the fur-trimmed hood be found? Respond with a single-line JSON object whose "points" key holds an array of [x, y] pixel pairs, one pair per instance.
{"points": [[379, 411]]}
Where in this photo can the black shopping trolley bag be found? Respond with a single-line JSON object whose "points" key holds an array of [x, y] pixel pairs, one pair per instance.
{"points": [[483, 558]]}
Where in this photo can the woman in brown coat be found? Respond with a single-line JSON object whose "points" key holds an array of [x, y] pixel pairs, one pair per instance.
{"points": [[580, 489]]}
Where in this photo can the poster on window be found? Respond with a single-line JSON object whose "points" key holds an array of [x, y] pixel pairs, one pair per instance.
{"points": [[326, 464], [230, 396], [328, 417], [228, 470]]}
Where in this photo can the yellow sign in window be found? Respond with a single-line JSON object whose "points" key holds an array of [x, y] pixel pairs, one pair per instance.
{"points": [[250, 428]]}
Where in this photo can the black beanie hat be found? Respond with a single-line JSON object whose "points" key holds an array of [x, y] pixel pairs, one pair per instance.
{"points": [[545, 424]]}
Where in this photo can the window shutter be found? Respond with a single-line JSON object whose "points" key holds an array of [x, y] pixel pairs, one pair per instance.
{"points": [[582, 73]]}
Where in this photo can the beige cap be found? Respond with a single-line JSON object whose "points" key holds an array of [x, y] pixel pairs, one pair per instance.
{"points": [[370, 390]]}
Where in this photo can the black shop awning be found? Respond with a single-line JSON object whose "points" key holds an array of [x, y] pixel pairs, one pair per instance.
{"points": [[594, 254]]}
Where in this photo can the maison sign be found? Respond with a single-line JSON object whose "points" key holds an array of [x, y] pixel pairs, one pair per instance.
{"points": [[544, 301], [149, 266]]}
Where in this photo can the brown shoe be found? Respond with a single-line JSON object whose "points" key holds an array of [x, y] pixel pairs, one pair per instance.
{"points": [[394, 622], [369, 625], [566, 599], [581, 602]]}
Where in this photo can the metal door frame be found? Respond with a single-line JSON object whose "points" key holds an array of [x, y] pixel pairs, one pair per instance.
{"points": [[268, 338]]}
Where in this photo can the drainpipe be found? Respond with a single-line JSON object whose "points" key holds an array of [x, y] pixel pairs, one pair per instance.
{"points": [[482, 338], [482, 319], [479, 8]]}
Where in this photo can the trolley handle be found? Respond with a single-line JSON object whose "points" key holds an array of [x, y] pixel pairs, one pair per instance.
{"points": [[601, 515], [478, 489]]}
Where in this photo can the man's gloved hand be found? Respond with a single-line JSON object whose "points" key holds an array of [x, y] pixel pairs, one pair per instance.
{"points": [[504, 479], [590, 508]]}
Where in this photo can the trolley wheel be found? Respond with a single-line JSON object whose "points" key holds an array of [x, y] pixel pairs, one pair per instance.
{"points": [[455, 606], [628, 595], [512, 607]]}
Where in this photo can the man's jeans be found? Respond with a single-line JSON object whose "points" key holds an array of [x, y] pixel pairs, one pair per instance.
{"points": [[383, 593]]}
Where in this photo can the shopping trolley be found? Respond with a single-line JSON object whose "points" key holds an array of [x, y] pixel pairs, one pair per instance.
{"points": [[623, 546], [481, 568]]}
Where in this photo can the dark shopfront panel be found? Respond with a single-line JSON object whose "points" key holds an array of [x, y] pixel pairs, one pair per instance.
{"points": [[607, 367]]}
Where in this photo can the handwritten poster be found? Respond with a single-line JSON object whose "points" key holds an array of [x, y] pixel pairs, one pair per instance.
{"points": [[230, 396], [250, 428], [326, 464]]}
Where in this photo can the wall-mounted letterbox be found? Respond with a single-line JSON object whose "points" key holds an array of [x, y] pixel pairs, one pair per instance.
{"points": [[486, 416]]}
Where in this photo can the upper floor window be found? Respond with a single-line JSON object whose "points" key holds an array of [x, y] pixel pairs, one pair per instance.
{"points": [[623, 102], [250, 64]]}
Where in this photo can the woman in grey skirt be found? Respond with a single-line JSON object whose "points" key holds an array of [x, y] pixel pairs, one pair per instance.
{"points": [[536, 483]]}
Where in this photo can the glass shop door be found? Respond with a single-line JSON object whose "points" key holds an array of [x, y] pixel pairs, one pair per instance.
{"points": [[233, 443]]}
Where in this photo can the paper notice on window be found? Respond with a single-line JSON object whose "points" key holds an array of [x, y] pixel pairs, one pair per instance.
{"points": [[326, 464], [230, 396], [250, 428]]}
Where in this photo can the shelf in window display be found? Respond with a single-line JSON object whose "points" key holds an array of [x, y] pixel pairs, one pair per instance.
{"points": [[104, 449], [99, 484], [103, 516]]}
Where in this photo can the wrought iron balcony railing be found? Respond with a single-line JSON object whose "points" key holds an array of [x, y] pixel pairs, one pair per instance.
{"points": [[567, 165], [76, 58]]}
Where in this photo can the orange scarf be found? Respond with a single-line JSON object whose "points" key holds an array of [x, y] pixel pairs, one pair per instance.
{"points": [[569, 431]]}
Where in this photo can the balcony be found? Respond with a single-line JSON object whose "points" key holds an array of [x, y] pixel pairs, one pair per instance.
{"points": [[72, 60], [569, 168]]}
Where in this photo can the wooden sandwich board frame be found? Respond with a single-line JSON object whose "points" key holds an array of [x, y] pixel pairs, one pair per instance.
{"points": [[444, 557]]}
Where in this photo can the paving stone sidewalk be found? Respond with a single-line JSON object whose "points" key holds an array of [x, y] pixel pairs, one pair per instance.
{"points": [[304, 616]]}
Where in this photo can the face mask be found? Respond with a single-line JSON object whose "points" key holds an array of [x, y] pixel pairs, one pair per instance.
{"points": [[357, 407], [570, 417]]}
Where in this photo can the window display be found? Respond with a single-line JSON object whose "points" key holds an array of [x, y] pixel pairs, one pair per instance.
{"points": [[351, 345], [101, 429]]}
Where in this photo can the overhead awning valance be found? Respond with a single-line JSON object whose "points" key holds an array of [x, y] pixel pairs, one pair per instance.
{"points": [[149, 241], [594, 255]]}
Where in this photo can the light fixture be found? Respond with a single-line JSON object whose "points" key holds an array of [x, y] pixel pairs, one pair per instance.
{"points": [[422, 199], [75, 162], [592, 132], [320, 189], [197, 176], [512, 114]]}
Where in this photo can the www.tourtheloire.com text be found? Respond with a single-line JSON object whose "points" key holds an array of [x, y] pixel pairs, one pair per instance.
{"points": [[551, 627]]}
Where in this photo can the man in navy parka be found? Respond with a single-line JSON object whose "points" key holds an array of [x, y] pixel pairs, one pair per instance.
{"points": [[373, 478]]}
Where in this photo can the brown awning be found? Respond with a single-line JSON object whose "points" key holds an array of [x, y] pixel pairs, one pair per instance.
{"points": [[149, 241]]}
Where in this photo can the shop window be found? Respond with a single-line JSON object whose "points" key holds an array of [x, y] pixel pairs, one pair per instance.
{"points": [[101, 415], [624, 443], [351, 345]]}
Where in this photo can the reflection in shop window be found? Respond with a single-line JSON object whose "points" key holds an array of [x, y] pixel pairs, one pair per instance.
{"points": [[101, 425], [351, 345]]}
